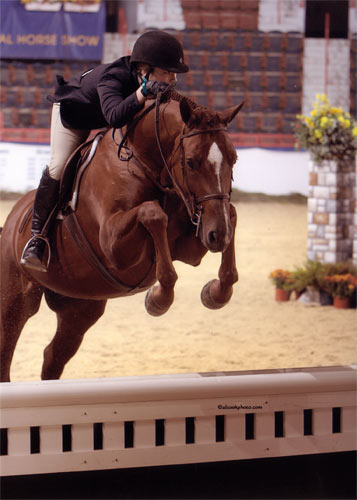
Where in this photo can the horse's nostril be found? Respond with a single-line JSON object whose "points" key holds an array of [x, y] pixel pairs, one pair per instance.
{"points": [[212, 237]]}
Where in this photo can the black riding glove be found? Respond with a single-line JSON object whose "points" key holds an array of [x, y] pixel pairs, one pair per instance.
{"points": [[153, 87]]}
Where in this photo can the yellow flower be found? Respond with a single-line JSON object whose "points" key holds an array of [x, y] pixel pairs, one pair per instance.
{"points": [[336, 111], [313, 112], [309, 122], [324, 122], [346, 123], [318, 134], [354, 132]]}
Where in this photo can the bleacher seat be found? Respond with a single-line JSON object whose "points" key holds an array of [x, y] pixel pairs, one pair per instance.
{"points": [[219, 80], [269, 122], [43, 118], [249, 122], [254, 81], [275, 41], [11, 97], [7, 114], [198, 80], [19, 73], [295, 41], [210, 20], [255, 61], [257, 41], [273, 102], [273, 82], [255, 102], [248, 20], [293, 82], [190, 4], [228, 20], [4, 73], [273, 62], [216, 61], [194, 60], [288, 123], [293, 62], [192, 19], [219, 100]]}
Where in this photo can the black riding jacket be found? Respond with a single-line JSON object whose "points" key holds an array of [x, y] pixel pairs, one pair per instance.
{"points": [[101, 97]]}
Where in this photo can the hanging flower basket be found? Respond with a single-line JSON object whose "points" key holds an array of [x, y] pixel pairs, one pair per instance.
{"points": [[328, 133]]}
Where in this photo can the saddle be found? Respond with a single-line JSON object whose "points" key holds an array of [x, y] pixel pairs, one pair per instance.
{"points": [[72, 175]]}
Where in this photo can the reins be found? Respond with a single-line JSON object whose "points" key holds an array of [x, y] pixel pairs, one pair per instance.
{"points": [[193, 205]]}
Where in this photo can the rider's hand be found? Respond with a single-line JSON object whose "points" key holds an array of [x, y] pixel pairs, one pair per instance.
{"points": [[153, 87]]}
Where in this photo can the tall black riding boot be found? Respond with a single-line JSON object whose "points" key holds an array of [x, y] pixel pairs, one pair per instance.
{"points": [[45, 200]]}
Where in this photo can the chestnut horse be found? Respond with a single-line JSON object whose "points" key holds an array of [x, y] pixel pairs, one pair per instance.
{"points": [[169, 199]]}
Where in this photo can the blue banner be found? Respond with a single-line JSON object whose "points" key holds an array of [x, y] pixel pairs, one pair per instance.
{"points": [[50, 35]]}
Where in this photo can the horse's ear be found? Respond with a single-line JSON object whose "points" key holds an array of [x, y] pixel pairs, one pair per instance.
{"points": [[228, 114], [185, 110]]}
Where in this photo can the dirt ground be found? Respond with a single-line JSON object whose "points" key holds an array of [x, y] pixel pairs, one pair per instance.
{"points": [[251, 332]]}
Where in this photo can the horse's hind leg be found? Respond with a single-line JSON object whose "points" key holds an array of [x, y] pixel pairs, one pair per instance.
{"points": [[74, 318], [19, 301]]}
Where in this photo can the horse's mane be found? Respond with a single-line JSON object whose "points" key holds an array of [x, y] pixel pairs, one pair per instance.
{"points": [[176, 96], [201, 112]]}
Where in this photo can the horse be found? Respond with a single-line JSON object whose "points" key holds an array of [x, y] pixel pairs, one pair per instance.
{"points": [[162, 195]]}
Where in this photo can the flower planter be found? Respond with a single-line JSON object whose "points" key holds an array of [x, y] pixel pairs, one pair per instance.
{"points": [[281, 295], [341, 302]]}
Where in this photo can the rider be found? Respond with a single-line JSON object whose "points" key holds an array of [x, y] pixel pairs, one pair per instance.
{"points": [[109, 95]]}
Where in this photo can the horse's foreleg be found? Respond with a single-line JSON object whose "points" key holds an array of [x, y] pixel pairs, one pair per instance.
{"points": [[160, 297], [217, 293], [19, 301], [74, 317]]}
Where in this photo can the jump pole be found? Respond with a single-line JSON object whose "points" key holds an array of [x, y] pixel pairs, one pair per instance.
{"points": [[101, 424]]}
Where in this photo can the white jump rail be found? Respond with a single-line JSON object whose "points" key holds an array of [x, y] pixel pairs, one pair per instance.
{"points": [[79, 425]]}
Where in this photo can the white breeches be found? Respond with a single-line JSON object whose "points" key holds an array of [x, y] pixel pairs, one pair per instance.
{"points": [[63, 142]]}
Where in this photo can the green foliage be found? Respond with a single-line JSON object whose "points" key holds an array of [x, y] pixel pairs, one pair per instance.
{"points": [[315, 274]]}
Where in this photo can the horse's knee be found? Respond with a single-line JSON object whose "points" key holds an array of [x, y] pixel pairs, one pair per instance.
{"points": [[151, 215]]}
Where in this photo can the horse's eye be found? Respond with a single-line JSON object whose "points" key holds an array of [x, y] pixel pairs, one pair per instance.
{"points": [[190, 163]]}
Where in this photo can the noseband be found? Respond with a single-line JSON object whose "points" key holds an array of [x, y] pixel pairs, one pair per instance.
{"points": [[192, 204]]}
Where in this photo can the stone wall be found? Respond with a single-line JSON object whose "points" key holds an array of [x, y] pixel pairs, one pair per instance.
{"points": [[332, 215]]}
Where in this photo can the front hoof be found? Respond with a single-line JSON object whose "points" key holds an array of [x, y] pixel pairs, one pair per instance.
{"points": [[207, 298], [152, 306]]}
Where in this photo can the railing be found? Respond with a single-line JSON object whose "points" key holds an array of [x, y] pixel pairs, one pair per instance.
{"points": [[66, 426]]}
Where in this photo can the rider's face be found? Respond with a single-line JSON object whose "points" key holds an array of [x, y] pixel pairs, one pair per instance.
{"points": [[162, 75]]}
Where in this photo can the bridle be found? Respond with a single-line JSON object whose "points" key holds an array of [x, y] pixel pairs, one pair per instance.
{"points": [[192, 203]]}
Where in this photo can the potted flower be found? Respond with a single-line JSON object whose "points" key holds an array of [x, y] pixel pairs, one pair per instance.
{"points": [[343, 287], [328, 133], [326, 285], [282, 281], [297, 282]]}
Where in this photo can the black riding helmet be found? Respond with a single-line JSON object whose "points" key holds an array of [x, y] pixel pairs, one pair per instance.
{"points": [[161, 50]]}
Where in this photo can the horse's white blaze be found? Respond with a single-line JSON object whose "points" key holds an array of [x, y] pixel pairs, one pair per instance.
{"points": [[215, 157]]}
